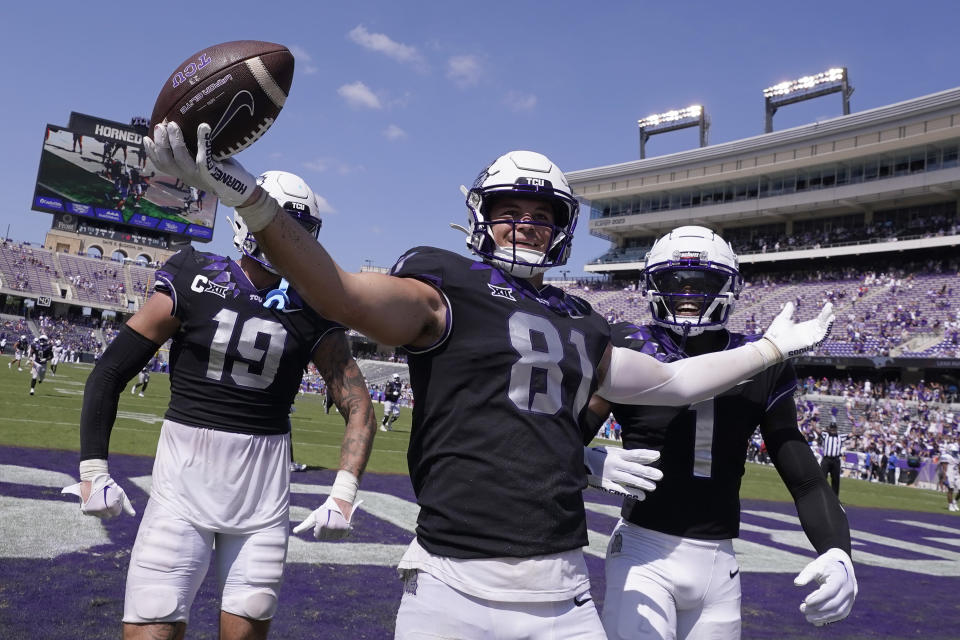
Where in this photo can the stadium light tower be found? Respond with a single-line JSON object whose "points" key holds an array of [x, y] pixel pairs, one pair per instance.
{"points": [[692, 116], [805, 88]]}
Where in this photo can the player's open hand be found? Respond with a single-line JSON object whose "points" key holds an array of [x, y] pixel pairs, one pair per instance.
{"points": [[622, 471], [328, 522], [795, 338]]}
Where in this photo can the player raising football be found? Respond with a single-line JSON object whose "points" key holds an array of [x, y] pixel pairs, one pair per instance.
{"points": [[221, 477], [671, 570], [502, 367]]}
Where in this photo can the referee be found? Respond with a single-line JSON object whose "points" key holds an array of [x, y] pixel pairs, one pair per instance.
{"points": [[832, 444]]}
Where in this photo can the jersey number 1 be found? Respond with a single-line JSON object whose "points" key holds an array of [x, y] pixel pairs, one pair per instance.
{"points": [[246, 347], [703, 438]]}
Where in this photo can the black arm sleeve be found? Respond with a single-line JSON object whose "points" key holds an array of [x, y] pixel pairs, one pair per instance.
{"points": [[124, 358], [821, 516], [590, 424]]}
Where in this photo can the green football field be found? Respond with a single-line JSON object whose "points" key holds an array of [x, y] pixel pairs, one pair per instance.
{"points": [[50, 420]]}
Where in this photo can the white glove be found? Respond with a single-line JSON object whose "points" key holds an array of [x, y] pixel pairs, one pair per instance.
{"points": [[107, 499], [226, 179], [168, 152], [328, 522], [622, 471], [793, 339], [838, 587]]}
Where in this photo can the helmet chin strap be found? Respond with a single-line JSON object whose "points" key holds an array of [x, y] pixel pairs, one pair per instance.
{"points": [[505, 259]]}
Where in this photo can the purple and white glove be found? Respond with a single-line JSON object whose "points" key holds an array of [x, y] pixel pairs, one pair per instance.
{"points": [[328, 521], [791, 338], [106, 499]]}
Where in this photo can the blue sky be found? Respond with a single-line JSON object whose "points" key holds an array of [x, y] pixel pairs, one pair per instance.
{"points": [[395, 104]]}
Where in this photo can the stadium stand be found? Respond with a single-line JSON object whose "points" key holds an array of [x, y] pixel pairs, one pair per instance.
{"points": [[27, 269]]}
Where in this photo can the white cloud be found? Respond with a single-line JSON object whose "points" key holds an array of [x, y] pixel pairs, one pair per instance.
{"points": [[393, 132], [324, 164], [322, 205], [359, 95], [302, 60], [465, 71], [382, 43], [319, 165], [517, 101]]}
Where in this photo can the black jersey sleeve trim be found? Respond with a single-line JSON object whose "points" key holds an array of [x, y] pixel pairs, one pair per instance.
{"points": [[449, 323], [316, 344], [163, 285], [124, 358], [780, 396]]}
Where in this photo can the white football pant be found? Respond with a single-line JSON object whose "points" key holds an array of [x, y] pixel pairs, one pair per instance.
{"points": [[431, 610], [170, 559], [39, 371], [663, 587]]}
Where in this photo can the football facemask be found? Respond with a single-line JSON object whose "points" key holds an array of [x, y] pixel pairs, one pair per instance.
{"points": [[295, 197], [691, 281], [523, 174]]}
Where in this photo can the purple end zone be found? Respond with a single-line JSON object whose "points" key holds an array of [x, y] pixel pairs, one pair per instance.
{"points": [[80, 595]]}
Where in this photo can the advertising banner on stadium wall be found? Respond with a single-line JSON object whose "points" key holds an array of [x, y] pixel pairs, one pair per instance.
{"points": [[880, 362]]}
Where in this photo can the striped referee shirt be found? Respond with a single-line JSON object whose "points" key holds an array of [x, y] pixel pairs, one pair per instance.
{"points": [[832, 444]]}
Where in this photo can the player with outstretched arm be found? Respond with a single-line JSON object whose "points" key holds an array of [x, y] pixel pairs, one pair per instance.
{"points": [[501, 366], [221, 474], [671, 571]]}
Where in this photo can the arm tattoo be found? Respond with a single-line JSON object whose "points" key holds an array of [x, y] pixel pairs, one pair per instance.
{"points": [[349, 392]]}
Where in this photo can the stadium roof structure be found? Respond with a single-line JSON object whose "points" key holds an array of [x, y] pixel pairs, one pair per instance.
{"points": [[893, 157]]}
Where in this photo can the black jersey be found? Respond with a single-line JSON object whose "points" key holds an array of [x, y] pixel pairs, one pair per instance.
{"points": [[41, 352], [702, 446], [234, 364], [495, 453], [392, 391]]}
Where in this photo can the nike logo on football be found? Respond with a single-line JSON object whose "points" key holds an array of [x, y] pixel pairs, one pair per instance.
{"points": [[241, 100], [581, 600], [734, 573]]}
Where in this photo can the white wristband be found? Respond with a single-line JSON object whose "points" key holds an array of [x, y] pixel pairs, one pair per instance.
{"points": [[90, 469], [768, 351], [259, 214], [345, 487]]}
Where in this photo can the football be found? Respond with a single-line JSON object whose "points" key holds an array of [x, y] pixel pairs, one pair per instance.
{"points": [[238, 88]]}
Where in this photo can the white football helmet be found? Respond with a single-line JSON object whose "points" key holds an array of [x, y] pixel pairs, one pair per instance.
{"points": [[396, 377], [691, 280], [295, 196], [522, 173]]}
